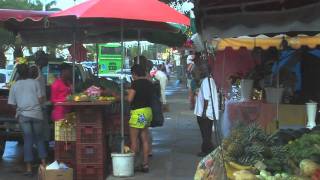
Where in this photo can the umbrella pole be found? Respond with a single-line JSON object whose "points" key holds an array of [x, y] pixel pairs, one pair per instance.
{"points": [[97, 60], [122, 92], [74, 63], [139, 45]]}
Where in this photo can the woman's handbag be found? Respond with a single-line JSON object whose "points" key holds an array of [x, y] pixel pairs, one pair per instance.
{"points": [[156, 106]]}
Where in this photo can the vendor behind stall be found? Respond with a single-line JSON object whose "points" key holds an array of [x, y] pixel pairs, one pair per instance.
{"points": [[60, 90]]}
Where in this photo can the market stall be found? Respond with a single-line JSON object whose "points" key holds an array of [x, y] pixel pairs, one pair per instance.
{"points": [[87, 22], [265, 82]]}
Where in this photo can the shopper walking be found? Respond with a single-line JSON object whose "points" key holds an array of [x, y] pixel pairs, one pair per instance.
{"points": [[35, 73], [163, 80], [139, 97], [26, 95], [206, 102]]}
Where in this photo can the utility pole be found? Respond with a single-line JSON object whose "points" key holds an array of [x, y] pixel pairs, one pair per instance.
{"points": [[44, 3]]}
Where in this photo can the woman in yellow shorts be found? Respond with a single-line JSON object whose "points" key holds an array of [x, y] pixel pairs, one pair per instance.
{"points": [[139, 97]]}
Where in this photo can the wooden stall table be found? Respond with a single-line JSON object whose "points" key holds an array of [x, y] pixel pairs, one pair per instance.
{"points": [[251, 111], [265, 114], [91, 142]]}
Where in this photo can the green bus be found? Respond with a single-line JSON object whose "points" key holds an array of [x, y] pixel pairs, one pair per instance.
{"points": [[109, 58]]}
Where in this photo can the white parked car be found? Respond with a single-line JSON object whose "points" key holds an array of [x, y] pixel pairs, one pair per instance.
{"points": [[117, 77]]}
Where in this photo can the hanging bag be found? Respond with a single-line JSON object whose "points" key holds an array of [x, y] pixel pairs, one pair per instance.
{"points": [[156, 106]]}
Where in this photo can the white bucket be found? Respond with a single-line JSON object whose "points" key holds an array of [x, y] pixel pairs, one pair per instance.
{"points": [[246, 89], [123, 164], [311, 114], [274, 95]]}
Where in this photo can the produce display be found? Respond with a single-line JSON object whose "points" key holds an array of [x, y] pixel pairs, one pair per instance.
{"points": [[248, 145], [251, 154], [96, 89], [83, 97], [107, 86]]}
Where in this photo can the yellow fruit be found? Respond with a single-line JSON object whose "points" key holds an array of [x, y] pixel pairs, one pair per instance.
{"points": [[126, 149], [239, 167], [110, 98], [77, 98]]}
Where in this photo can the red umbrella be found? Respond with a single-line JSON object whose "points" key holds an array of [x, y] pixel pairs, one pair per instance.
{"points": [[144, 10], [137, 12]]}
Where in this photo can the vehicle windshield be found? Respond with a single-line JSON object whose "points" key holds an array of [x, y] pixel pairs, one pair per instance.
{"points": [[51, 72], [2, 78]]}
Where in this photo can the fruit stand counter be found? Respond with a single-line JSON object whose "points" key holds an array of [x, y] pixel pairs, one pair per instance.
{"points": [[90, 113], [91, 142]]}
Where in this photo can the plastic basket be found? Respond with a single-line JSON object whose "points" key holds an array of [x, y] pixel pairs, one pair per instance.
{"points": [[65, 150], [91, 153], [91, 172], [90, 134], [89, 117], [62, 133]]}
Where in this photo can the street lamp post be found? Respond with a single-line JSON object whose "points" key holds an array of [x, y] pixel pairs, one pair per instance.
{"points": [[44, 5]]}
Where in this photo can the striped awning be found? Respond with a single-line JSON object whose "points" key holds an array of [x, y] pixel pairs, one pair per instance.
{"points": [[266, 42]]}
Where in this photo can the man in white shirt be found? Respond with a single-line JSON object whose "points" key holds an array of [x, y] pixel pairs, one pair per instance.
{"points": [[163, 79], [206, 98]]}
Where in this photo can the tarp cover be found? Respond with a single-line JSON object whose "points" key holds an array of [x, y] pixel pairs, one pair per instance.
{"points": [[304, 19], [22, 15], [266, 42]]}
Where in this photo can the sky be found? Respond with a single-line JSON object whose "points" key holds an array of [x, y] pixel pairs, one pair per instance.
{"points": [[64, 4]]}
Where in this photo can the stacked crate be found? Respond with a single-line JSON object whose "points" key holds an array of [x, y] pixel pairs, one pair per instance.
{"points": [[65, 141], [90, 145], [65, 152]]}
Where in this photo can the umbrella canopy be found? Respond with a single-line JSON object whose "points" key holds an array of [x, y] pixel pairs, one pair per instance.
{"points": [[36, 28], [143, 10]]}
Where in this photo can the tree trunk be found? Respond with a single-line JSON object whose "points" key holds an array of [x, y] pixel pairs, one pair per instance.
{"points": [[3, 59], [17, 51]]}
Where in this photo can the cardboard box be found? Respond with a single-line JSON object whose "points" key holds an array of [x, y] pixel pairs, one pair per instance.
{"points": [[60, 174]]}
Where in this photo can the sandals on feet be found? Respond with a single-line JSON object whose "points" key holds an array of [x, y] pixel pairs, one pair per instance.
{"points": [[143, 168]]}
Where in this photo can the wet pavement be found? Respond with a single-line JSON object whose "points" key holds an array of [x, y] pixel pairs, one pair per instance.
{"points": [[175, 145]]}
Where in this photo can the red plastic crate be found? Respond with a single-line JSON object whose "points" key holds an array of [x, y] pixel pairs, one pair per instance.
{"points": [[90, 134], [65, 150], [89, 117], [91, 172], [91, 153]]}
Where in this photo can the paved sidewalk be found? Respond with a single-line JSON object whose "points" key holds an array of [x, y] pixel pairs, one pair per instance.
{"points": [[176, 144]]}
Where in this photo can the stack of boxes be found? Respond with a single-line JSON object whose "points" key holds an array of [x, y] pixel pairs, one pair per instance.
{"points": [[90, 145]]}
